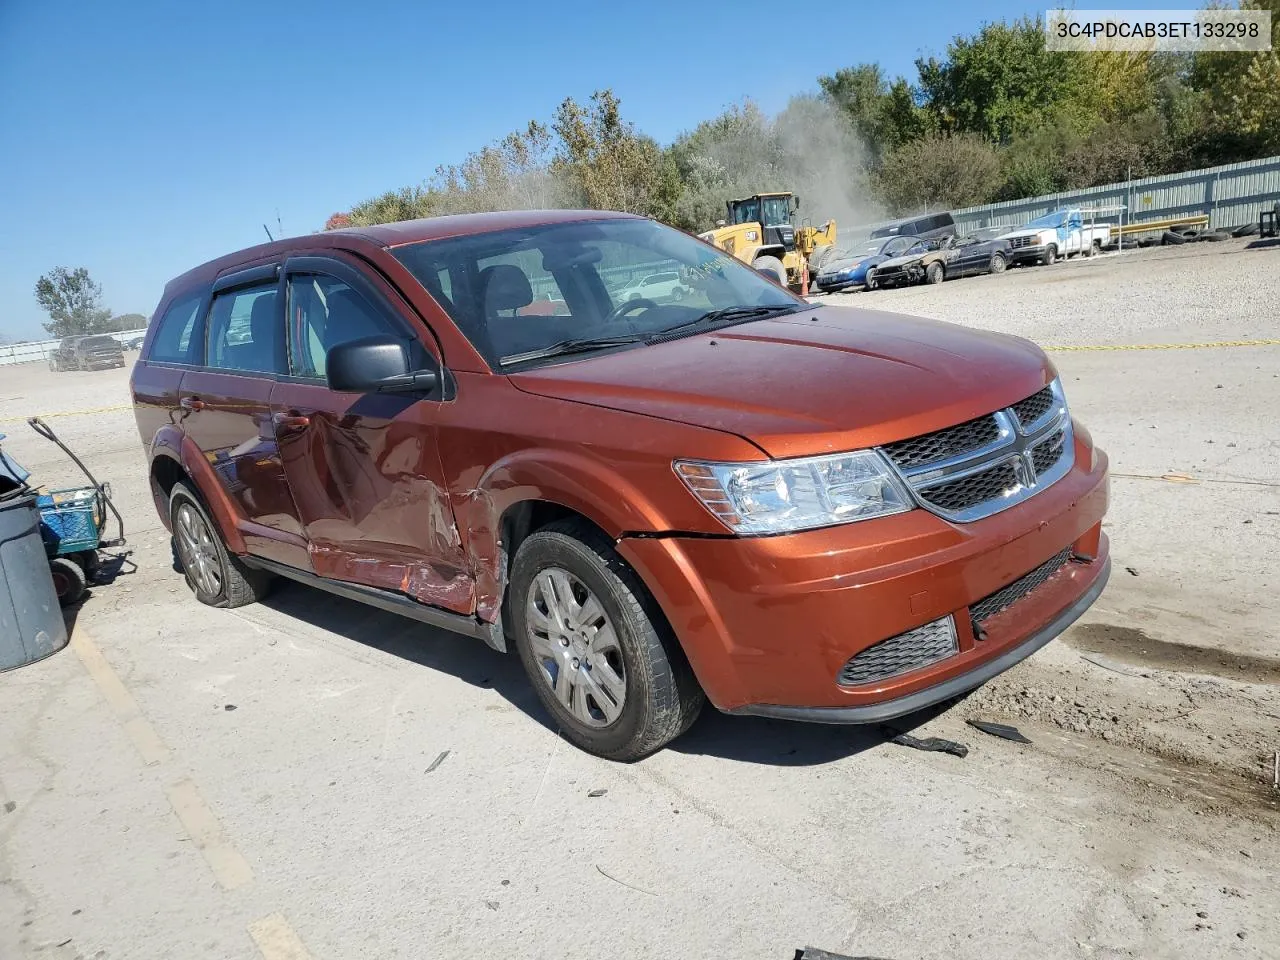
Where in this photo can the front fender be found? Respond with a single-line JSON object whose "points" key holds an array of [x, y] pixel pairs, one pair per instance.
{"points": [[588, 486], [172, 443]]}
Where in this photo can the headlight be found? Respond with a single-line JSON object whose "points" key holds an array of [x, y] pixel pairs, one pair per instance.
{"points": [[779, 496]]}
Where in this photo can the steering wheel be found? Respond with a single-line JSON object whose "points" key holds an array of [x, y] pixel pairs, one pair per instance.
{"points": [[627, 306]]}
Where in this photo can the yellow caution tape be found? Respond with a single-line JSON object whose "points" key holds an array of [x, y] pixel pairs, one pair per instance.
{"points": [[70, 413]]}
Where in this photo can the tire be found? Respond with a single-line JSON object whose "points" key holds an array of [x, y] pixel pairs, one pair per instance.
{"points": [[69, 580], [1215, 236], [820, 255], [1095, 248], [1050, 256], [216, 576], [998, 263], [935, 273], [1149, 241], [869, 283], [771, 267], [1171, 239], [1245, 230], [556, 574]]}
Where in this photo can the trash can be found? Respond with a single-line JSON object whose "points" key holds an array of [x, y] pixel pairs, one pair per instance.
{"points": [[31, 624]]}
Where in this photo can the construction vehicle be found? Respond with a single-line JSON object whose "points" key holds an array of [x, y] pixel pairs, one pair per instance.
{"points": [[760, 231]]}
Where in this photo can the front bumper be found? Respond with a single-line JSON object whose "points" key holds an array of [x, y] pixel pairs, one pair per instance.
{"points": [[769, 622], [1033, 252], [901, 276]]}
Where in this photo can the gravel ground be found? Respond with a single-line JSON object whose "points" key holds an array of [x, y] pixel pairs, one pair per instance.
{"points": [[307, 777]]}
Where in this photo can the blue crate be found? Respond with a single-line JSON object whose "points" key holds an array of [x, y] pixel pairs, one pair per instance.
{"points": [[69, 520]]}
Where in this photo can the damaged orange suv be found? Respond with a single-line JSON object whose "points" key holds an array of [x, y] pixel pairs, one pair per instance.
{"points": [[716, 492]]}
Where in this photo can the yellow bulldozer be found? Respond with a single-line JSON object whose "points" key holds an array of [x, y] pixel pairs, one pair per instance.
{"points": [[761, 231]]}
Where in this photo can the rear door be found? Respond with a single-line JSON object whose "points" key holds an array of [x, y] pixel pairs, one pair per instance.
{"points": [[364, 470], [226, 410]]}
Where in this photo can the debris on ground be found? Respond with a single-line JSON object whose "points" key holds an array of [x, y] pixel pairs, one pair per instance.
{"points": [[813, 953], [624, 883], [229, 707], [1002, 730], [931, 744], [438, 760], [598, 792]]}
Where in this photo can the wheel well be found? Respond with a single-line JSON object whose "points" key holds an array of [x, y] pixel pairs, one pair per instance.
{"points": [[165, 472], [522, 519]]}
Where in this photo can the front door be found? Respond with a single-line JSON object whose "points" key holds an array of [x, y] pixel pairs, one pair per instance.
{"points": [[364, 470], [226, 411]]}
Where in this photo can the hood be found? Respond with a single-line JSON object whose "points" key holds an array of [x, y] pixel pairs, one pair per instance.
{"points": [[904, 259], [823, 380]]}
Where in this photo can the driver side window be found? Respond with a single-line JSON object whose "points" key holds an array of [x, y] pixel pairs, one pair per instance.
{"points": [[324, 312]]}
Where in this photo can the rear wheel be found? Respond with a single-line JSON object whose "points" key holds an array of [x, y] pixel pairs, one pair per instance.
{"points": [[934, 273], [998, 263], [820, 255], [771, 267], [217, 577], [600, 654], [69, 580]]}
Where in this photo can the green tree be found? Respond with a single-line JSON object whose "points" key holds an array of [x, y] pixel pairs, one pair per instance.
{"points": [[126, 321], [883, 114], [73, 302], [939, 173]]}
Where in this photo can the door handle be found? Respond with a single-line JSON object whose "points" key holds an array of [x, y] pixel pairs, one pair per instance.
{"points": [[191, 403], [291, 421]]}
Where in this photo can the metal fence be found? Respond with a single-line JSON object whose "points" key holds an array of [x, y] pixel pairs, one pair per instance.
{"points": [[38, 351], [1229, 195]]}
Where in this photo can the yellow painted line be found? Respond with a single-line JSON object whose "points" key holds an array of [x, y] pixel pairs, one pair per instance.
{"points": [[229, 868], [71, 413], [277, 940], [119, 698], [1165, 346]]}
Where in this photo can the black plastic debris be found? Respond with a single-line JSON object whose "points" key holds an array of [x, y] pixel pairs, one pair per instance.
{"points": [[813, 953], [931, 744], [1001, 730], [438, 760], [598, 792]]}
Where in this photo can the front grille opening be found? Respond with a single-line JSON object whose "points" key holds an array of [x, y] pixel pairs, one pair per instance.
{"points": [[940, 444], [1008, 595], [901, 654], [1034, 407], [1048, 453], [996, 483]]}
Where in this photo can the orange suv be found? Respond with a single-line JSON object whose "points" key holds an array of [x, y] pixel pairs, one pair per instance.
{"points": [[798, 511]]}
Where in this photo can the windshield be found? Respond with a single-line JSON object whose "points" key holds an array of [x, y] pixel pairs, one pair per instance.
{"points": [[98, 342], [515, 292], [1055, 219], [746, 211]]}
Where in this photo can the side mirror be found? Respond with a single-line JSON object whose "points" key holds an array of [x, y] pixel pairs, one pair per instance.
{"points": [[375, 365], [795, 204], [719, 223]]}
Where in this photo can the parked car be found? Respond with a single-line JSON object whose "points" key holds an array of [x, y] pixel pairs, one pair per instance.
{"points": [[787, 509], [656, 286], [848, 268], [950, 259], [929, 226], [87, 353], [134, 343], [1058, 234]]}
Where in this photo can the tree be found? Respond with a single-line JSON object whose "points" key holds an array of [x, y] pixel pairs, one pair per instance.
{"points": [[73, 302], [939, 172], [126, 321]]}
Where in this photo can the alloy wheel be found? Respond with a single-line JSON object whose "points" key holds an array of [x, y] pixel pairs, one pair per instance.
{"points": [[576, 646], [199, 553]]}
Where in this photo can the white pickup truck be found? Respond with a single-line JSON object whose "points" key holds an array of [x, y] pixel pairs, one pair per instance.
{"points": [[1058, 234]]}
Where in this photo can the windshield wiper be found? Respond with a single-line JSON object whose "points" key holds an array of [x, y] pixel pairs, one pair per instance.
{"points": [[727, 315], [573, 345]]}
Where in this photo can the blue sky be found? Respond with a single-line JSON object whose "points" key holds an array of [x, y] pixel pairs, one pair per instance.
{"points": [[140, 138]]}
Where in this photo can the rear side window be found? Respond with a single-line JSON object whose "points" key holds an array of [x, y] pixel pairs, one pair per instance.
{"points": [[245, 332], [173, 341]]}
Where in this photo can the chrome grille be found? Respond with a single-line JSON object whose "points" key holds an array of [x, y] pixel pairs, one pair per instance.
{"points": [[1000, 480], [1008, 595], [1034, 407], [990, 463], [1016, 242], [907, 651], [943, 443]]}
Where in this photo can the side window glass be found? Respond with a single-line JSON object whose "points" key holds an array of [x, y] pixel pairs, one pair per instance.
{"points": [[324, 312], [173, 340], [244, 330]]}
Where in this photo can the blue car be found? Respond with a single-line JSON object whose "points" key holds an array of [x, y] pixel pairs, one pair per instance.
{"points": [[848, 268]]}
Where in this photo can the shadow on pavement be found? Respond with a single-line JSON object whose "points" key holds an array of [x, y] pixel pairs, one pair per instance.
{"points": [[745, 739]]}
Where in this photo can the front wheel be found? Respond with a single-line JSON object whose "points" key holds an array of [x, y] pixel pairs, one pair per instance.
{"points": [[69, 580], [1050, 256], [934, 273], [772, 268], [998, 263], [216, 576], [600, 654]]}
